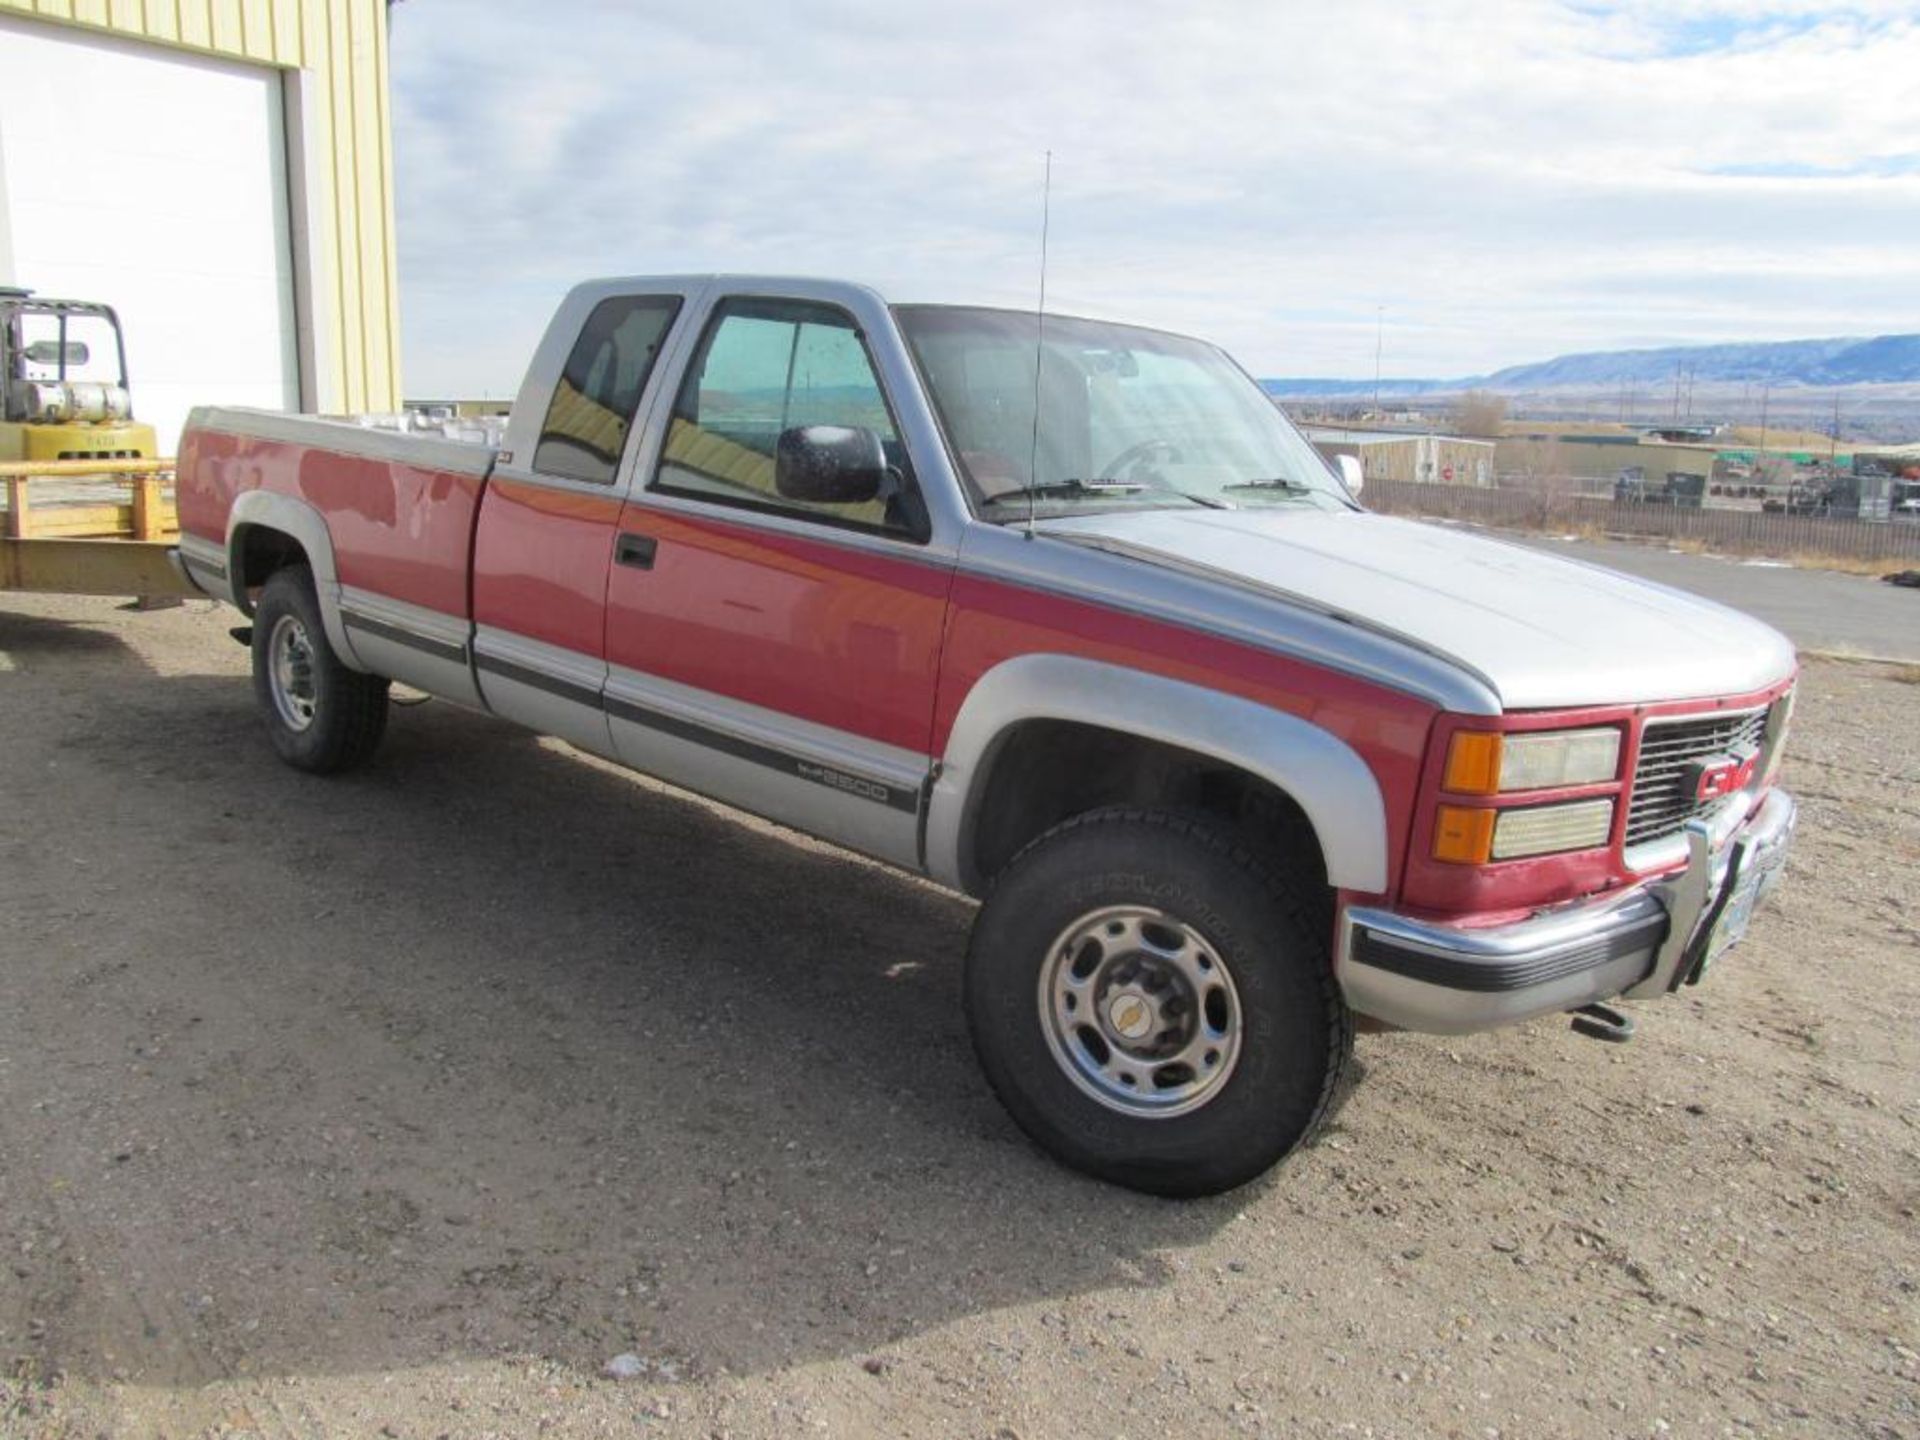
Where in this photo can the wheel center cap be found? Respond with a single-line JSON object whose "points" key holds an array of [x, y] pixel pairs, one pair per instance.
{"points": [[1130, 1016]]}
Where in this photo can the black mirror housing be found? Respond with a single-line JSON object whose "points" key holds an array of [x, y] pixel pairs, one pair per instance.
{"points": [[829, 464]]}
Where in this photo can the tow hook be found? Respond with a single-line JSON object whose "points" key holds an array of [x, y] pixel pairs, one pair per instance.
{"points": [[242, 633], [1602, 1022]]}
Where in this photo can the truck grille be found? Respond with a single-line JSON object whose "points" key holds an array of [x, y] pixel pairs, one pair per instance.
{"points": [[1661, 804]]}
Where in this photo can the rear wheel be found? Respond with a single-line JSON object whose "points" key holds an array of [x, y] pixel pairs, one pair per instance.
{"points": [[1153, 1005], [320, 716]]}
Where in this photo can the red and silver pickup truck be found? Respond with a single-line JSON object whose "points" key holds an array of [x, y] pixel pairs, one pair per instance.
{"points": [[1065, 615]]}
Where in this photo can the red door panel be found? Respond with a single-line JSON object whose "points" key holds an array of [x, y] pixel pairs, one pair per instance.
{"points": [[822, 631]]}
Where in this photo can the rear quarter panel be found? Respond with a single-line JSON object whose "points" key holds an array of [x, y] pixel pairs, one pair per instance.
{"points": [[399, 530]]}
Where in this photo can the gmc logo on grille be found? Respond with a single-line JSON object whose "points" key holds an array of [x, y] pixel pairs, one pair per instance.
{"points": [[1719, 775]]}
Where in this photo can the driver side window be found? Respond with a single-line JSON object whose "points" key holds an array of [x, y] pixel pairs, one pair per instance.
{"points": [[765, 367]]}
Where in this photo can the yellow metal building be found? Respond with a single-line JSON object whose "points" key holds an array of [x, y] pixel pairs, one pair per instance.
{"points": [[221, 172]]}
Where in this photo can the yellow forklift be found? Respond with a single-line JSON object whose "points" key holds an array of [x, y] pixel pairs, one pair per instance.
{"points": [[66, 433], [63, 393]]}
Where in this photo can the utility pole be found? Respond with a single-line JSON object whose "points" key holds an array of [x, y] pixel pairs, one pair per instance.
{"points": [[1379, 327]]}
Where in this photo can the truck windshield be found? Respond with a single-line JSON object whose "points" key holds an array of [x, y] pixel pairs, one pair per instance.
{"points": [[1129, 418]]}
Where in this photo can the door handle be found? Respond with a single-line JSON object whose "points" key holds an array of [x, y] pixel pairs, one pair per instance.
{"points": [[635, 550]]}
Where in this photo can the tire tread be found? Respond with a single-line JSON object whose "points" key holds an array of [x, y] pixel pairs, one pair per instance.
{"points": [[349, 730], [1299, 912]]}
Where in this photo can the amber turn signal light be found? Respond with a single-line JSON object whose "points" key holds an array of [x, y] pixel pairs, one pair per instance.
{"points": [[1473, 763], [1463, 836]]}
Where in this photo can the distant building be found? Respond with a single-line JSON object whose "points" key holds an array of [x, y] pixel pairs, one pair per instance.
{"points": [[1429, 458], [1602, 459], [1684, 434]]}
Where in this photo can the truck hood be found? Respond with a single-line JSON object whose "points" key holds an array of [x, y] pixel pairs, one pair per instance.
{"points": [[1541, 631]]}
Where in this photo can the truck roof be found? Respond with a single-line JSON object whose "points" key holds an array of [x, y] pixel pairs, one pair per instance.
{"points": [[1018, 295]]}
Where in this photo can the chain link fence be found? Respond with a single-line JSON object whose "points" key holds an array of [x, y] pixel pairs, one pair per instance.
{"points": [[1734, 532]]}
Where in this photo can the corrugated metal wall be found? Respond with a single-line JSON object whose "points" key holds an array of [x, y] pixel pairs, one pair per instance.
{"points": [[341, 45]]}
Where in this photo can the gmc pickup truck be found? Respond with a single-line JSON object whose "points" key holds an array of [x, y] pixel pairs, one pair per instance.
{"points": [[1065, 615]]}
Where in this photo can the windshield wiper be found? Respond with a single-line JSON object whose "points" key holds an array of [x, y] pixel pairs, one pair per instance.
{"points": [[1277, 482], [1072, 486], [1075, 486]]}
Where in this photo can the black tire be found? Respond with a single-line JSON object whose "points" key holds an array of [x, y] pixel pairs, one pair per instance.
{"points": [[346, 710], [1295, 1034]]}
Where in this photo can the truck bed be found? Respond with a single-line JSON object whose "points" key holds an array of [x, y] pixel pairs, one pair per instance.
{"points": [[399, 508]]}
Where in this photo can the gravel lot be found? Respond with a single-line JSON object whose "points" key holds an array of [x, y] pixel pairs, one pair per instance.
{"points": [[398, 1105]]}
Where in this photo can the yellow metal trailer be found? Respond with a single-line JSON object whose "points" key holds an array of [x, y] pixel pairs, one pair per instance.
{"points": [[90, 527]]}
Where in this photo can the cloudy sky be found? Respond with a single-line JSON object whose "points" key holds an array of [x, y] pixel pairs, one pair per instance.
{"points": [[1488, 181]]}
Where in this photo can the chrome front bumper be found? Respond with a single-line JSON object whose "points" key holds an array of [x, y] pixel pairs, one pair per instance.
{"points": [[1450, 979]]}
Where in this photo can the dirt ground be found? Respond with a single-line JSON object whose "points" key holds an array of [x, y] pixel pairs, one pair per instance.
{"points": [[398, 1105]]}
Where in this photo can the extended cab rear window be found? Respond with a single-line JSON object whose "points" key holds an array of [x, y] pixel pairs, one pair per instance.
{"points": [[600, 386]]}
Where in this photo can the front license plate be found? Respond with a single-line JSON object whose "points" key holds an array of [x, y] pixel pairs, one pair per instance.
{"points": [[1750, 884], [1731, 928]]}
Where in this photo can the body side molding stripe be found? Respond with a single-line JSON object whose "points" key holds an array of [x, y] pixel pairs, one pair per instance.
{"points": [[399, 636], [862, 787], [537, 679]]}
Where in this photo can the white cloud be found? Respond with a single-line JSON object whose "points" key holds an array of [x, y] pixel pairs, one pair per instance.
{"points": [[1507, 179]]}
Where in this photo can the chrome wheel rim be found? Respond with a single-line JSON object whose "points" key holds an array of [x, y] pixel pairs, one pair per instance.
{"points": [[1140, 1011], [290, 672]]}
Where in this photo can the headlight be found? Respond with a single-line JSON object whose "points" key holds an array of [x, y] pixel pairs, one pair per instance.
{"points": [[1548, 829], [1483, 763], [1466, 836]]}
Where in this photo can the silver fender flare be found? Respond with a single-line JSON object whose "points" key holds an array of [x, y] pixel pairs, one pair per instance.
{"points": [[1323, 774], [270, 510]]}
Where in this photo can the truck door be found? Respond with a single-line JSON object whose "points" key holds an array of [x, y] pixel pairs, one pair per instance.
{"points": [[778, 653], [545, 535]]}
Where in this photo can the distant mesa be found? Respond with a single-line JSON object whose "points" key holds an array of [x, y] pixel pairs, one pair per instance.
{"points": [[1882, 360]]}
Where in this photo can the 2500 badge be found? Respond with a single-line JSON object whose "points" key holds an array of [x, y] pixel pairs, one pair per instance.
{"points": [[838, 780]]}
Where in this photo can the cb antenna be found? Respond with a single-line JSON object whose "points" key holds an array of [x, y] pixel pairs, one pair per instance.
{"points": [[1039, 336]]}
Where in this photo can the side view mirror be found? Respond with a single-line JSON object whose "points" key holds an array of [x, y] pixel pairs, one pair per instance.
{"points": [[48, 352], [829, 464], [1351, 475]]}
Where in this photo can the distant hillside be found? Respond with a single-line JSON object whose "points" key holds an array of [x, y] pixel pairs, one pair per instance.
{"points": [[1882, 360], [1304, 388]]}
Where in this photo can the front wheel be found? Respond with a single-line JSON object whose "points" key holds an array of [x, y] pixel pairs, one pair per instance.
{"points": [[1153, 1005], [320, 715]]}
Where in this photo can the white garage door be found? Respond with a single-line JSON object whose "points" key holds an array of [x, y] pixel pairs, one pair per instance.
{"points": [[156, 182]]}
